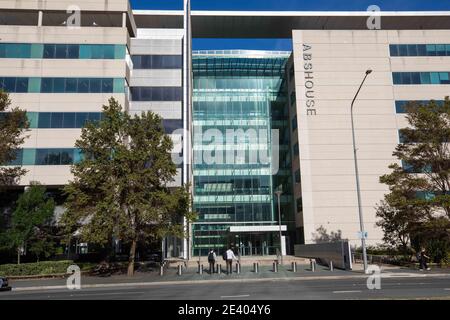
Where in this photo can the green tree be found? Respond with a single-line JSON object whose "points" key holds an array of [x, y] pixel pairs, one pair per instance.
{"points": [[417, 208], [31, 221], [425, 148], [120, 187], [13, 124]]}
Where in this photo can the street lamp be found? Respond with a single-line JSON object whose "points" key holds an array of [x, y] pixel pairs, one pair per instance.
{"points": [[361, 222], [278, 193]]}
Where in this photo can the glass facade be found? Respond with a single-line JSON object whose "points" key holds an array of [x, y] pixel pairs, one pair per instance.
{"points": [[47, 156], [157, 61], [62, 85], [421, 77], [240, 113], [400, 105], [419, 50], [62, 51]]}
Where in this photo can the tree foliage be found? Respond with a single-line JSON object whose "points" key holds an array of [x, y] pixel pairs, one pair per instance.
{"points": [[31, 224], [121, 186], [13, 124], [416, 209]]}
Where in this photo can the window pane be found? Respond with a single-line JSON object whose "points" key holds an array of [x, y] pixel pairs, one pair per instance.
{"points": [[440, 50], [94, 116], [57, 120], [69, 120], [47, 85], [45, 120], [406, 77], [108, 51], [22, 85], [412, 50], [96, 52], [431, 49], [49, 51], [95, 85], [403, 50], [72, 51], [107, 85], [61, 51], [59, 85], [71, 85], [41, 157], [81, 119], [421, 50], [425, 78], [9, 84], [435, 78], [66, 156], [415, 78], [54, 157], [83, 85]]}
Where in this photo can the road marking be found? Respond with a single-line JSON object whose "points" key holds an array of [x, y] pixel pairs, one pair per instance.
{"points": [[106, 294], [447, 289], [238, 296], [348, 291]]}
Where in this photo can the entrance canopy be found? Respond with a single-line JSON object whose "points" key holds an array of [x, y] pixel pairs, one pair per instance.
{"points": [[235, 229]]}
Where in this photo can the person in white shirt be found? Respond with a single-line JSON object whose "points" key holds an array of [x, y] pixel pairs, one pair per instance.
{"points": [[230, 258]]}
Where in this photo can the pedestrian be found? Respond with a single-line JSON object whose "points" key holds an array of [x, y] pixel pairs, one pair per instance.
{"points": [[423, 260], [230, 258], [212, 260]]}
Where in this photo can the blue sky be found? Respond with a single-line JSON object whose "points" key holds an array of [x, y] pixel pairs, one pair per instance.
{"points": [[279, 5]]}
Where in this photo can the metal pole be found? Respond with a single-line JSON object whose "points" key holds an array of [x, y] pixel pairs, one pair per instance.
{"points": [[294, 266], [358, 190], [180, 269], [278, 193], [331, 266]]}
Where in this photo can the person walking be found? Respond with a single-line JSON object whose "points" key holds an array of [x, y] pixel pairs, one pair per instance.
{"points": [[423, 260], [212, 261], [230, 258]]}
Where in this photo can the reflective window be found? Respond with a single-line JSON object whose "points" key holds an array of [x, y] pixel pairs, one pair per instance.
{"points": [[157, 61], [401, 105], [156, 93], [421, 77], [419, 50]]}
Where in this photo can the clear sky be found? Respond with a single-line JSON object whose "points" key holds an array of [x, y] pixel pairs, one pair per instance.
{"points": [[283, 5]]}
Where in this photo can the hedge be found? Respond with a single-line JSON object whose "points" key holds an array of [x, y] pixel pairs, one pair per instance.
{"points": [[39, 268]]}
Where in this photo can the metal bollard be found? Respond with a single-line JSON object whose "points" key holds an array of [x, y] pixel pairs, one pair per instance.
{"points": [[200, 269], [294, 266], [313, 265], [331, 266], [219, 268], [161, 270], [238, 268], [256, 267], [180, 268], [275, 267]]}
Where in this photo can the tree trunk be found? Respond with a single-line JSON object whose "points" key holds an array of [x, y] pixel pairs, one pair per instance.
{"points": [[18, 255], [131, 259]]}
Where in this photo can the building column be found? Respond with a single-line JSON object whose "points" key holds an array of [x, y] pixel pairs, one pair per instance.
{"points": [[40, 18]]}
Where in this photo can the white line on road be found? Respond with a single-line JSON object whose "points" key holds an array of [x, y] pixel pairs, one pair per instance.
{"points": [[239, 296], [348, 291], [106, 294], [447, 289]]}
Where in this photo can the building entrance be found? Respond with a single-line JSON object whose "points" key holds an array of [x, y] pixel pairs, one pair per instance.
{"points": [[255, 244]]}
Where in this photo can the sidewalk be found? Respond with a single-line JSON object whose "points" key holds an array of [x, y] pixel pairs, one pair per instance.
{"points": [[191, 275]]}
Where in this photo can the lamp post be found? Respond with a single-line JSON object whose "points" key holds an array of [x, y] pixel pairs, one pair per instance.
{"points": [[361, 221], [278, 193]]}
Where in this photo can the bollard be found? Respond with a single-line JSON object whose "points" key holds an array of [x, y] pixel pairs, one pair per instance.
{"points": [[275, 267], [313, 265], [200, 270], [219, 268], [255, 267], [238, 268], [331, 266], [161, 270], [180, 269], [294, 266]]}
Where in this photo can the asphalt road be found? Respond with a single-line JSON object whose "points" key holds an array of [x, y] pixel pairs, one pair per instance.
{"points": [[395, 288]]}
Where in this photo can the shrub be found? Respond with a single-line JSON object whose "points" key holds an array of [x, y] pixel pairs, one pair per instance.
{"points": [[39, 268]]}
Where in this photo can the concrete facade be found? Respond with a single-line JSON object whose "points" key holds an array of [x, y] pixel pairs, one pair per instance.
{"points": [[329, 67]]}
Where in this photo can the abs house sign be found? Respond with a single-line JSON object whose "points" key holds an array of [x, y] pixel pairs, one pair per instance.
{"points": [[309, 81]]}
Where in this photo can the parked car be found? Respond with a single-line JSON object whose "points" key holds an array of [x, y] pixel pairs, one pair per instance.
{"points": [[4, 285]]}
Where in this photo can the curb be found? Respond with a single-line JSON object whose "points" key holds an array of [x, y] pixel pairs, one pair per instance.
{"points": [[177, 282]]}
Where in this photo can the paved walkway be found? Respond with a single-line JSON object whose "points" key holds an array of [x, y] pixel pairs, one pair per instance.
{"points": [[191, 275]]}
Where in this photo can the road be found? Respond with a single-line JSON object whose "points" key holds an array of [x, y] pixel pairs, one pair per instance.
{"points": [[391, 288]]}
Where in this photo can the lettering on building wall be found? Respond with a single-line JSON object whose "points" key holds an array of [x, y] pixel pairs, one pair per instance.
{"points": [[309, 81]]}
